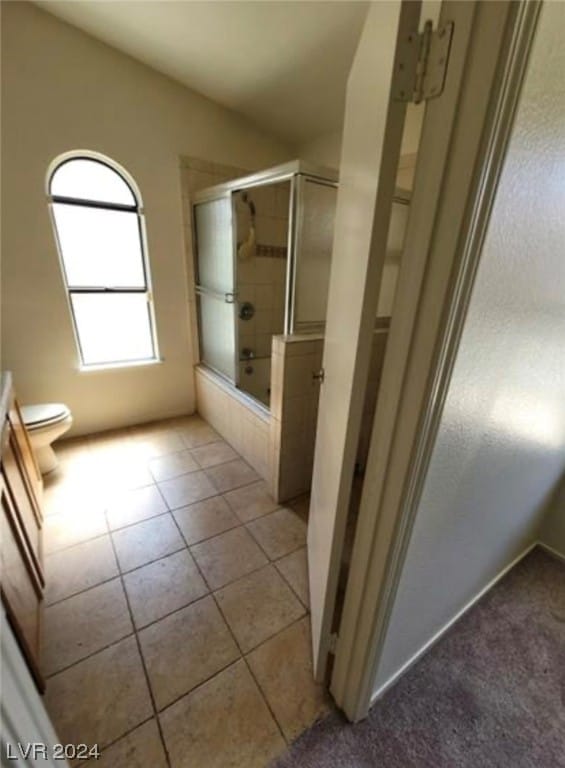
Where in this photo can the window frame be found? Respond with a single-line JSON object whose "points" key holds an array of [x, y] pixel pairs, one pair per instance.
{"points": [[136, 209]]}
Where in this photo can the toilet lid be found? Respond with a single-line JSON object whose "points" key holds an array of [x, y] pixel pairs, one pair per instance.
{"points": [[34, 415]]}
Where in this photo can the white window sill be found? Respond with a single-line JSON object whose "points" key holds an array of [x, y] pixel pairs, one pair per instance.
{"points": [[119, 366]]}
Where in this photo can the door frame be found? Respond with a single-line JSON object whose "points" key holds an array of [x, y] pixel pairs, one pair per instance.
{"points": [[464, 139], [372, 135]]}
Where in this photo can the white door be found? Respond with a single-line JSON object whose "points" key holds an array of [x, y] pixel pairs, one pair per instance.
{"points": [[369, 160]]}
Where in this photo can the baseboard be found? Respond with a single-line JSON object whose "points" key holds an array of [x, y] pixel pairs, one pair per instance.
{"points": [[439, 634], [553, 552]]}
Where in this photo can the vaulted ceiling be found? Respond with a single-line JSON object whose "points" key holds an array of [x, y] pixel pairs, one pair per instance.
{"points": [[283, 65]]}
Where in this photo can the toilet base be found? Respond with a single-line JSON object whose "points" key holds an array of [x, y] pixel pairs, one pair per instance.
{"points": [[41, 438], [46, 459]]}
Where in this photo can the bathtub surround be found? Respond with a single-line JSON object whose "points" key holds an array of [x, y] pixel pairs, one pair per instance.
{"points": [[280, 444], [297, 361], [243, 231], [63, 90], [237, 417], [294, 412], [262, 247]]}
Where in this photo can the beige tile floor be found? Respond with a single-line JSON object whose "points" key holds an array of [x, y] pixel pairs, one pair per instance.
{"points": [[176, 627]]}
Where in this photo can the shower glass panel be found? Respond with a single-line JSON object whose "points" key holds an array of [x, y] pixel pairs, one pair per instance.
{"points": [[215, 285], [262, 218], [316, 202], [263, 246]]}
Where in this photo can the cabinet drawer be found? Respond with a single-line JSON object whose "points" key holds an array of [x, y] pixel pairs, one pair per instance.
{"points": [[22, 502], [20, 438], [21, 590]]}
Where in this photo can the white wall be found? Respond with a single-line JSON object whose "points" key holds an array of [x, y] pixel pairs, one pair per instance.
{"points": [[500, 449], [326, 149], [552, 533], [63, 90]]}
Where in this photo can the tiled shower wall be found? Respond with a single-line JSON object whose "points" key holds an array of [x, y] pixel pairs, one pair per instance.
{"points": [[294, 409], [255, 378], [262, 282], [245, 426], [294, 412]]}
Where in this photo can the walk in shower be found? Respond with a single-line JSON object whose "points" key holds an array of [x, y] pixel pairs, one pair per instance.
{"points": [[262, 247]]}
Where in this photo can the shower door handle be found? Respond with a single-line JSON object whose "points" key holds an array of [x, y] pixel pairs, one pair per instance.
{"points": [[228, 298]]}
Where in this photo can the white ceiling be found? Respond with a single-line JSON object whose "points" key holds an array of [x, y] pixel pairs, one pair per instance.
{"points": [[283, 65]]}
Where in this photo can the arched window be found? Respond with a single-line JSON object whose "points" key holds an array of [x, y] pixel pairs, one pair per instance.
{"points": [[99, 229]]}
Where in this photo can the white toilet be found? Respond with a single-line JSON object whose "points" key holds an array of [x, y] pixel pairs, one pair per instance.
{"points": [[45, 424]]}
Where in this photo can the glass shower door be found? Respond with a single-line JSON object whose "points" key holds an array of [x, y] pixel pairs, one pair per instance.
{"points": [[313, 242], [215, 285]]}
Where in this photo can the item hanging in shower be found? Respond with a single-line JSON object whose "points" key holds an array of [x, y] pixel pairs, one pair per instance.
{"points": [[247, 249]]}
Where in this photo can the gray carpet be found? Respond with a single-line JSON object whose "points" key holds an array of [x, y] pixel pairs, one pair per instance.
{"points": [[490, 694]]}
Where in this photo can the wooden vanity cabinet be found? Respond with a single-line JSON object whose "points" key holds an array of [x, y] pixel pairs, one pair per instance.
{"points": [[22, 579]]}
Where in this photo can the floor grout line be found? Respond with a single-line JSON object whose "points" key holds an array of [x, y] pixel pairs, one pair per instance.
{"points": [[149, 562], [211, 593], [76, 544], [262, 547], [82, 591], [242, 654], [137, 522], [123, 736], [121, 573], [144, 666], [90, 655], [258, 684], [138, 630], [284, 578], [242, 657], [265, 699]]}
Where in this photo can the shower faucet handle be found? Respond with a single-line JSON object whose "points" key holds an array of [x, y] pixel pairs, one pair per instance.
{"points": [[246, 311]]}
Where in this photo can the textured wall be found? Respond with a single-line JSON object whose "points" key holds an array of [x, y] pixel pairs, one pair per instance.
{"points": [[500, 450]]}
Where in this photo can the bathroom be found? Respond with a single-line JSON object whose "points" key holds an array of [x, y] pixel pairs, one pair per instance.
{"points": [[140, 441], [191, 439]]}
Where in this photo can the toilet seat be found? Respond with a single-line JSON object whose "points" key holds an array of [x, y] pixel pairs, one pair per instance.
{"points": [[46, 414]]}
